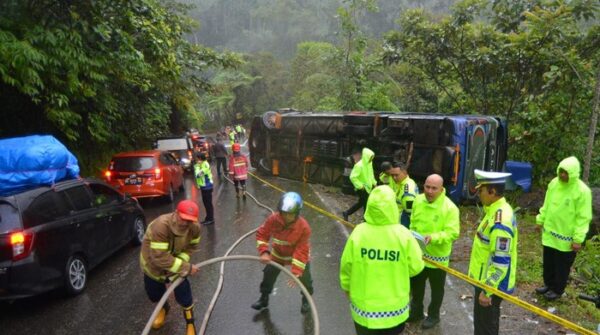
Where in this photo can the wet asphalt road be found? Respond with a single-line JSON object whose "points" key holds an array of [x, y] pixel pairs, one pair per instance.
{"points": [[115, 302]]}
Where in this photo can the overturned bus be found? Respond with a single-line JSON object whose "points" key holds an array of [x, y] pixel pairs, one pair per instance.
{"points": [[315, 147]]}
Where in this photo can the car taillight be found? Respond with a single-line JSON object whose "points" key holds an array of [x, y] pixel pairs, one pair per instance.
{"points": [[190, 154], [21, 243], [157, 173], [107, 174]]}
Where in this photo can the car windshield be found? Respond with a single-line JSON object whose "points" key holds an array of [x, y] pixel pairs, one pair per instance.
{"points": [[9, 218], [132, 163], [172, 144]]}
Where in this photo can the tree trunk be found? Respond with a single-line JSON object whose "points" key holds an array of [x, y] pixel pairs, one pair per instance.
{"points": [[591, 136]]}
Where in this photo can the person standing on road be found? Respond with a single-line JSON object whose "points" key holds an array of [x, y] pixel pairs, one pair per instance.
{"points": [[494, 253], [204, 181], [406, 190], [168, 244], [437, 219], [238, 170], [232, 137], [363, 179], [220, 153], [565, 219], [378, 260], [289, 234]]}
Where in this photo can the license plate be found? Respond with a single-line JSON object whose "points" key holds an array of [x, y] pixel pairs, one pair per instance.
{"points": [[133, 181]]}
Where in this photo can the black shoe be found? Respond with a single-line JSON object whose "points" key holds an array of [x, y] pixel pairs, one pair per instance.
{"points": [[542, 290], [415, 317], [345, 215], [430, 322], [207, 222], [305, 307], [551, 295], [262, 302]]}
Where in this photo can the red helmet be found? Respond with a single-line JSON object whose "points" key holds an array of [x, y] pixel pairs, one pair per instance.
{"points": [[235, 147], [188, 210]]}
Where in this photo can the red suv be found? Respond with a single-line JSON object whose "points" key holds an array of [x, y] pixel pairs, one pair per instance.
{"points": [[144, 174]]}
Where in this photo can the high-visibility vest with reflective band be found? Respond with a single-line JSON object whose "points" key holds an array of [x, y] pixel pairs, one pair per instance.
{"points": [[440, 220], [203, 175], [494, 253]]}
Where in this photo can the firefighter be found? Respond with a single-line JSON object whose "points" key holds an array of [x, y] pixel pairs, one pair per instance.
{"points": [[168, 244], [437, 219], [565, 219], [378, 260], [289, 234], [238, 170], [494, 252], [406, 190], [204, 181], [363, 179]]}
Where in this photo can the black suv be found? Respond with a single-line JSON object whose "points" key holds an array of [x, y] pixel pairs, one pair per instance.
{"points": [[52, 236]]}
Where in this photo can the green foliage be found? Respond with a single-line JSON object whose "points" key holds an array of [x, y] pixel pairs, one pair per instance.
{"points": [[529, 62], [587, 264], [101, 75]]}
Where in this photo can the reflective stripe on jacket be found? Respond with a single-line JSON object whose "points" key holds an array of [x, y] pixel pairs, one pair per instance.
{"points": [[165, 252], [567, 210], [290, 244], [238, 166], [440, 220], [378, 260], [203, 175], [494, 253]]}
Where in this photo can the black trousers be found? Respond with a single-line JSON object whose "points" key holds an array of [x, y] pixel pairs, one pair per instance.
{"points": [[486, 319], [361, 330], [208, 205], [437, 281], [557, 266], [238, 184], [221, 161], [155, 290], [363, 196], [270, 274]]}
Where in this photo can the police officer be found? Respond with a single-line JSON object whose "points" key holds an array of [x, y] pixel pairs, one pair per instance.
{"points": [[168, 244], [204, 181], [363, 179], [494, 254], [436, 218], [289, 234], [565, 218], [406, 190], [385, 177], [378, 260]]}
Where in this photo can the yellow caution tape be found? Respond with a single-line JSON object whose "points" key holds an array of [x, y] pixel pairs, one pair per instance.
{"points": [[308, 204], [525, 305]]}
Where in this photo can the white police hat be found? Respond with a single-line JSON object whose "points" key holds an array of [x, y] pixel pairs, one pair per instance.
{"points": [[490, 177]]}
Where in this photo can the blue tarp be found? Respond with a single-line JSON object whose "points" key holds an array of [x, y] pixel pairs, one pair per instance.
{"points": [[30, 161], [521, 174]]}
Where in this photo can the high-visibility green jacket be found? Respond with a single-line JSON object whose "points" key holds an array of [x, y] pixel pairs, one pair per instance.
{"points": [[232, 137], [378, 260], [203, 175], [494, 253], [362, 175], [567, 210], [406, 191], [440, 220]]}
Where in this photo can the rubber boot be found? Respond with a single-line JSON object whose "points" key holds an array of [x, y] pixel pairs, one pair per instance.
{"points": [[159, 321], [262, 302], [188, 314]]}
